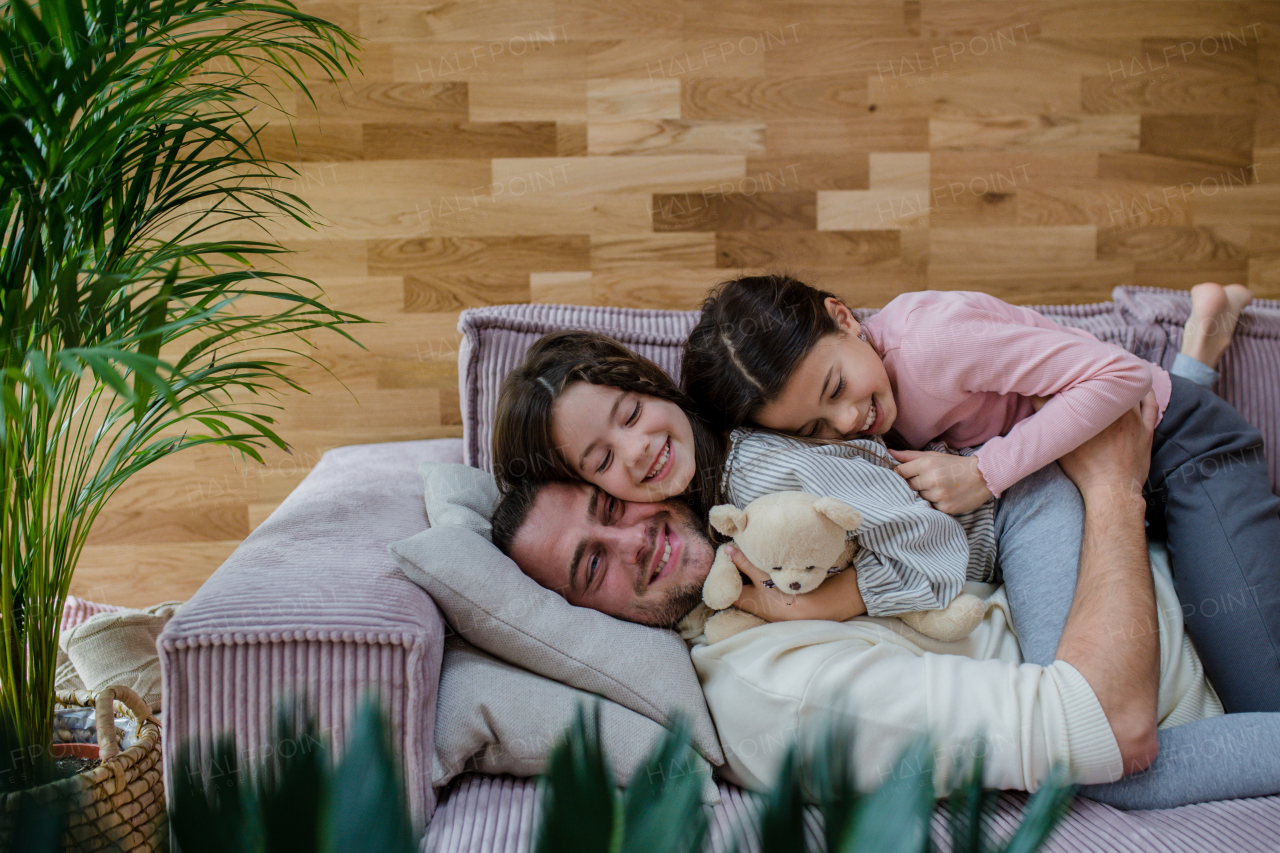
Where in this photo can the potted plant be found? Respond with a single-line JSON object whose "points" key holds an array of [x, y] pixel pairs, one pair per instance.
{"points": [[136, 320]]}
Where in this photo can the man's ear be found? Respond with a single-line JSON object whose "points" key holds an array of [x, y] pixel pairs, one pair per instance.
{"points": [[842, 315], [728, 519]]}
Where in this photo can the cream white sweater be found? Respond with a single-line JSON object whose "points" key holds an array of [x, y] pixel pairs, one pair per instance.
{"points": [[771, 682]]}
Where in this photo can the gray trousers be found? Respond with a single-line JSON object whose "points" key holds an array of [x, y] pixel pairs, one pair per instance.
{"points": [[1237, 755], [1209, 495]]}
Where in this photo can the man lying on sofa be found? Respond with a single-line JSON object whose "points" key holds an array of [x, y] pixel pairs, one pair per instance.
{"points": [[1119, 693]]}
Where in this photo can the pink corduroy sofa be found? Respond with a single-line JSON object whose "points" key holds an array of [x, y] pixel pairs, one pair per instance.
{"points": [[312, 602]]}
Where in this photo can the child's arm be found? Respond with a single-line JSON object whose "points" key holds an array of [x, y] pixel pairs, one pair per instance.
{"points": [[974, 344], [836, 600]]}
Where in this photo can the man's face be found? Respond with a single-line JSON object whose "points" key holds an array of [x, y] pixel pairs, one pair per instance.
{"points": [[642, 562]]}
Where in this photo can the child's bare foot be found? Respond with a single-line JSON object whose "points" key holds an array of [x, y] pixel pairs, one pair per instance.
{"points": [[1214, 312]]}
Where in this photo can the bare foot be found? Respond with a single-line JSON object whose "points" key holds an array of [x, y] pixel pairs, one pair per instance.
{"points": [[1214, 312]]}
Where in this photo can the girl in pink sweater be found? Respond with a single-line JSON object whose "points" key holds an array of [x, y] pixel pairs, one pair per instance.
{"points": [[971, 370]]}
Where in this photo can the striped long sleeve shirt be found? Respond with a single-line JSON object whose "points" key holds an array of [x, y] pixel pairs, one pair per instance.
{"points": [[911, 556]]}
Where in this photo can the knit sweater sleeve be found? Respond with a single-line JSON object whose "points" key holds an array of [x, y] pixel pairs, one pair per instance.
{"points": [[976, 344], [1026, 718], [911, 556]]}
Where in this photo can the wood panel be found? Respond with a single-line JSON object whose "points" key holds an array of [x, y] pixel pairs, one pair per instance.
{"points": [[625, 152]]}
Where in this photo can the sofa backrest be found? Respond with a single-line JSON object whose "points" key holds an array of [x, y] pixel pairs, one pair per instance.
{"points": [[1144, 321], [496, 338]]}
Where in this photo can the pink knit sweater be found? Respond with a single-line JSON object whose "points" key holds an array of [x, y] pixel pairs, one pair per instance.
{"points": [[964, 367]]}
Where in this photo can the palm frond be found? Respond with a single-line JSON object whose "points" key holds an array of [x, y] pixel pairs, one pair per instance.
{"points": [[121, 318]]}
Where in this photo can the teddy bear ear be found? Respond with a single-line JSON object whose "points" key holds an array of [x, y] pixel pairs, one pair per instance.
{"points": [[728, 519], [840, 512]]}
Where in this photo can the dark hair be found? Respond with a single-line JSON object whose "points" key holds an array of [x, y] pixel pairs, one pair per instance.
{"points": [[522, 443], [753, 334], [510, 513]]}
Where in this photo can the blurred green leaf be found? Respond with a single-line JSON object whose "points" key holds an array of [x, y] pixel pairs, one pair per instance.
{"points": [[895, 817], [365, 807], [662, 806], [294, 801], [1045, 808], [967, 808], [582, 809]]}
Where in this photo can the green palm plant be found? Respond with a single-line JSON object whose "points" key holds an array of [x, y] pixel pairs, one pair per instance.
{"points": [[134, 322]]}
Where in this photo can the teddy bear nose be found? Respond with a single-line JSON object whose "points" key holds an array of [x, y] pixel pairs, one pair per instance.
{"points": [[795, 585]]}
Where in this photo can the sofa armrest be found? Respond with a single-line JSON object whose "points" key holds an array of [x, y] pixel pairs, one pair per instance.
{"points": [[312, 604]]}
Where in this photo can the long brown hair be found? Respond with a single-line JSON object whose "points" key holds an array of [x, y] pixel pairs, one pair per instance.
{"points": [[523, 446]]}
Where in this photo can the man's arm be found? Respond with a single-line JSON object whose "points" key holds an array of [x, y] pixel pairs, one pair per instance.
{"points": [[1111, 636]]}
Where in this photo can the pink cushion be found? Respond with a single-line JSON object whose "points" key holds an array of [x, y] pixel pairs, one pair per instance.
{"points": [[311, 603], [76, 610]]}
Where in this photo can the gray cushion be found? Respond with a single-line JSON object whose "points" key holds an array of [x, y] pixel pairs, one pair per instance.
{"points": [[492, 717], [494, 606], [497, 608]]}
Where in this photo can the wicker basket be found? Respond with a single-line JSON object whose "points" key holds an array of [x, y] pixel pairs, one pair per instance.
{"points": [[118, 805]]}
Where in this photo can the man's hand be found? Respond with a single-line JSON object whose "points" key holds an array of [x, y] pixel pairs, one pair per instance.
{"points": [[953, 484], [1109, 636], [1118, 459], [837, 599]]}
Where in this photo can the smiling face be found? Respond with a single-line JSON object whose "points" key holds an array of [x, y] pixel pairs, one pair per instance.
{"points": [[839, 390], [642, 562], [633, 446]]}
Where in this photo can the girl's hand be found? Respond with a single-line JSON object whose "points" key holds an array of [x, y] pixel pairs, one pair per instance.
{"points": [[953, 484], [837, 599]]}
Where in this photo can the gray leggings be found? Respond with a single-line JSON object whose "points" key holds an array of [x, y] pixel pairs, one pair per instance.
{"points": [[1236, 755]]}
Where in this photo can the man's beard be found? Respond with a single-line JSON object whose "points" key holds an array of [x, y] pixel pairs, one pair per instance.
{"points": [[675, 606], [678, 602]]}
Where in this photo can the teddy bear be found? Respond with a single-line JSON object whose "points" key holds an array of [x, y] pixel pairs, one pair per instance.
{"points": [[800, 539]]}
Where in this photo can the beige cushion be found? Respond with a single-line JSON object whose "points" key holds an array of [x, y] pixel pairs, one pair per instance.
{"points": [[459, 495], [492, 717], [494, 606], [119, 647]]}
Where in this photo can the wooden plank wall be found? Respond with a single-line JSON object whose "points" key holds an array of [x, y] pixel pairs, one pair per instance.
{"points": [[622, 152]]}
